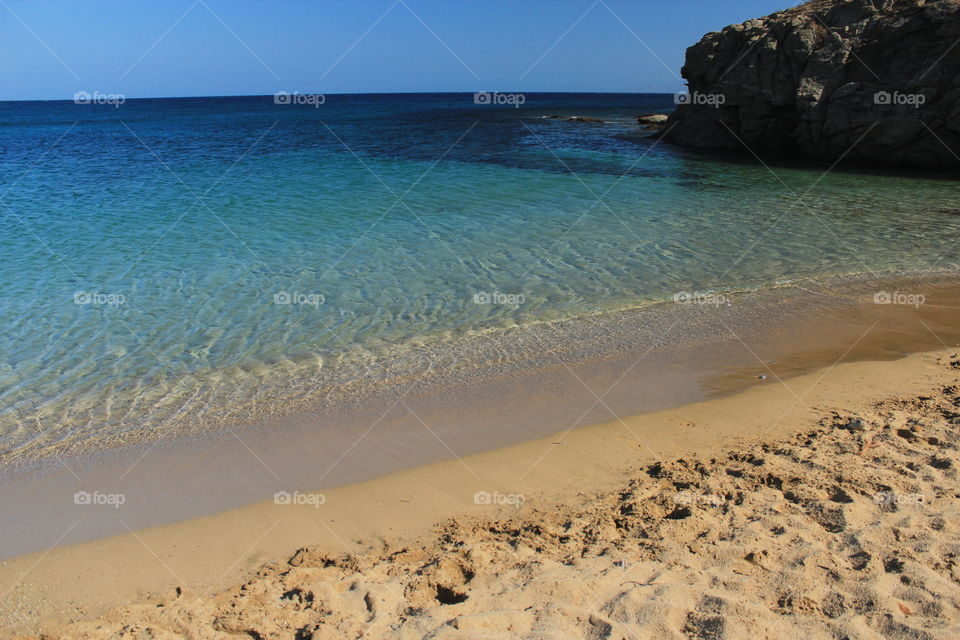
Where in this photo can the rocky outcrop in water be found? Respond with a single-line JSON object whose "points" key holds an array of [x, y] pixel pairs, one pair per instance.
{"points": [[588, 119], [870, 81]]}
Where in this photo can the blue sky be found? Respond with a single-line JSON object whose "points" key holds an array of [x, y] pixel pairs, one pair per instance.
{"points": [[51, 49]]}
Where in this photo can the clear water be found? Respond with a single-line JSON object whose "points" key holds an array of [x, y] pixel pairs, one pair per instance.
{"points": [[183, 222]]}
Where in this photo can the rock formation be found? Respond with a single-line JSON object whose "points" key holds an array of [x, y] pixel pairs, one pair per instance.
{"points": [[869, 81], [651, 118]]}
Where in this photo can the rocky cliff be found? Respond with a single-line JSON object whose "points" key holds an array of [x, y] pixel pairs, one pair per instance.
{"points": [[872, 81]]}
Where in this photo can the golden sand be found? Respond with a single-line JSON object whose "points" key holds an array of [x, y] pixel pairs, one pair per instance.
{"points": [[822, 505]]}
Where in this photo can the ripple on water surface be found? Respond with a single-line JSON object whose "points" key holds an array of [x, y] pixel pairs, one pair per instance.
{"points": [[145, 288]]}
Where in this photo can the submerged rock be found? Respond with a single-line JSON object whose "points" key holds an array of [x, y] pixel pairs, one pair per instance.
{"points": [[869, 81], [585, 119], [577, 118]]}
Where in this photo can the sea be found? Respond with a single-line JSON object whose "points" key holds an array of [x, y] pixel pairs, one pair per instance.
{"points": [[174, 265]]}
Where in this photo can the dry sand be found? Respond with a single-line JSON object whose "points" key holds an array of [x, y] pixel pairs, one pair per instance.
{"points": [[822, 507]]}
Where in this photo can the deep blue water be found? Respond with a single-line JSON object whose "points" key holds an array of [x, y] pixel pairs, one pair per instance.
{"points": [[148, 251]]}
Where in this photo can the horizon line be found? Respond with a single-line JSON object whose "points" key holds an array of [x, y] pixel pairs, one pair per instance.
{"points": [[357, 93]]}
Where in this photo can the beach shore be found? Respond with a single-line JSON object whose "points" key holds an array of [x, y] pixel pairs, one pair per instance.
{"points": [[818, 506], [398, 362], [503, 390]]}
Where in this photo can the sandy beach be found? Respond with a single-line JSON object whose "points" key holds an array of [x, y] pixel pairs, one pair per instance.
{"points": [[823, 506], [527, 386], [346, 320]]}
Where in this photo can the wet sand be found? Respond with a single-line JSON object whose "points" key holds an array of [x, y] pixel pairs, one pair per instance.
{"points": [[565, 375], [805, 354], [846, 527]]}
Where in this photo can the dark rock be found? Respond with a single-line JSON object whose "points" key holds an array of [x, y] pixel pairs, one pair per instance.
{"points": [[868, 81]]}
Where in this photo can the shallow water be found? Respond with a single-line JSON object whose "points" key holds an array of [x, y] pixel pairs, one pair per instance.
{"points": [[172, 264]]}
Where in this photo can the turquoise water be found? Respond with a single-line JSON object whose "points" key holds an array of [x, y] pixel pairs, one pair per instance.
{"points": [[149, 251]]}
